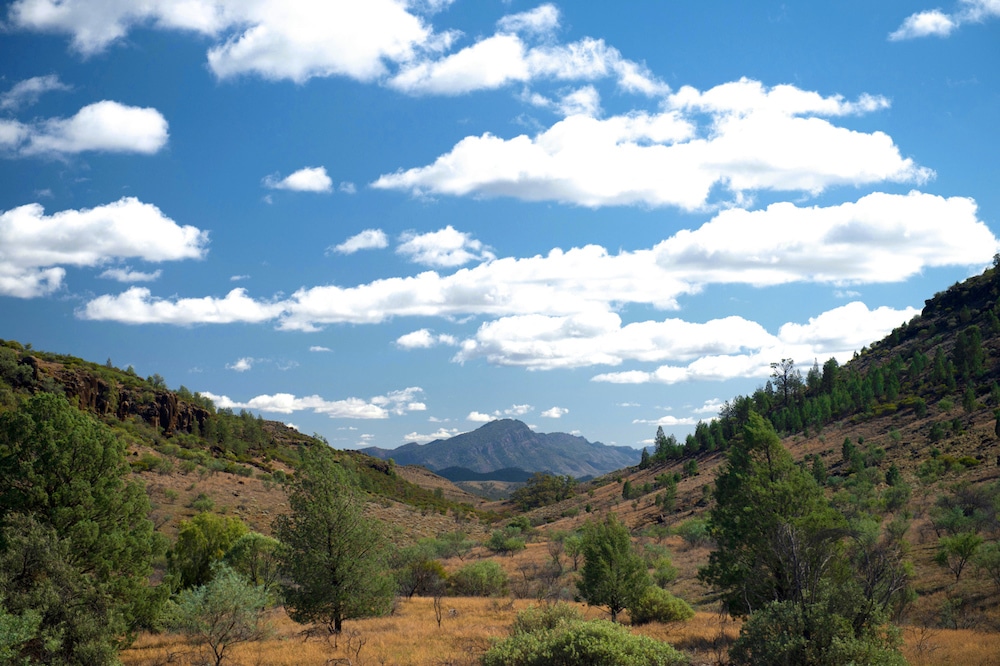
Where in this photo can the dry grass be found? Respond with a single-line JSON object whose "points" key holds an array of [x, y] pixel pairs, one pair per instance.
{"points": [[412, 637]]}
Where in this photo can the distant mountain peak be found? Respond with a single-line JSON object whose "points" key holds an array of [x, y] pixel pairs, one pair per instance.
{"points": [[510, 443]]}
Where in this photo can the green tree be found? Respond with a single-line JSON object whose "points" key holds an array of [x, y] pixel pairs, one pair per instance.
{"points": [[334, 557], [809, 583], [954, 552], [644, 459], [256, 557], [201, 541], [74, 530], [480, 579], [613, 574], [226, 612]]}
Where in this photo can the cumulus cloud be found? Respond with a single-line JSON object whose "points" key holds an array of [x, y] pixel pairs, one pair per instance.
{"points": [[35, 247], [241, 365], [272, 39], [137, 305], [308, 179], [514, 411], [540, 20], [369, 239], [104, 126], [445, 248], [378, 407], [837, 333], [319, 348], [424, 339], [27, 92], [126, 274], [505, 58], [440, 433], [667, 421], [936, 23], [756, 138], [555, 413], [572, 294]]}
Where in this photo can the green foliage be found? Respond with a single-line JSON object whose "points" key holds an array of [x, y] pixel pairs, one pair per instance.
{"points": [[542, 490], [664, 571], [784, 632], [598, 642], [695, 532], [256, 557], [657, 605], [480, 579], [224, 613], [506, 541], [955, 552], [613, 574], [691, 467], [202, 541], [542, 618], [811, 583], [15, 632], [987, 560], [74, 531], [334, 557]]}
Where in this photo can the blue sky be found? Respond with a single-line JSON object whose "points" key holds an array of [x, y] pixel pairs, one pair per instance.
{"points": [[389, 221]]}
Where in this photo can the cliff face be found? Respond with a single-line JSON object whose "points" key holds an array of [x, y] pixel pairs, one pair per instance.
{"points": [[160, 409]]}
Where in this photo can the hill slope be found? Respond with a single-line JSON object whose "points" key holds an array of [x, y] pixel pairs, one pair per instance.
{"points": [[510, 443]]}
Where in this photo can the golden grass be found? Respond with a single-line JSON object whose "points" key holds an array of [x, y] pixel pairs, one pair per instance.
{"points": [[411, 637]]}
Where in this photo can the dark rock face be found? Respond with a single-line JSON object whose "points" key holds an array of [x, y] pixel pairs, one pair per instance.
{"points": [[161, 410]]}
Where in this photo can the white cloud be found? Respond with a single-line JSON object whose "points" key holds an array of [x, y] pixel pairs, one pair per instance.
{"points": [[379, 407], [27, 92], [667, 421], [126, 274], [241, 365], [445, 248], [424, 339], [585, 101], [35, 247], [504, 59], [514, 411], [936, 23], [441, 433], [479, 417], [308, 179], [880, 238], [837, 333], [757, 139], [318, 348], [347, 187], [104, 126], [544, 342], [273, 39], [554, 413], [711, 406], [540, 20], [137, 305], [369, 239], [238, 278]]}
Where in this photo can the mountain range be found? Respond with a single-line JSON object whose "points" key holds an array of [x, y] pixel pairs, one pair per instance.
{"points": [[509, 443]]}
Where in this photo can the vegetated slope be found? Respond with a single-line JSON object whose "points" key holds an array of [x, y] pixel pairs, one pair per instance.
{"points": [[194, 457], [509, 443], [908, 427]]}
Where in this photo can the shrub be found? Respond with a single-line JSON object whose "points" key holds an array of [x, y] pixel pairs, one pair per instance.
{"points": [[480, 579], [694, 531], [664, 571], [658, 605], [777, 634], [596, 642], [539, 618]]}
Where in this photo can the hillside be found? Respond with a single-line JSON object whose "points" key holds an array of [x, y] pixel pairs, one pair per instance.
{"points": [[193, 457], [509, 443]]}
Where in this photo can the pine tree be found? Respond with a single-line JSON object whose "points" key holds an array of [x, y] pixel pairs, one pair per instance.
{"points": [[613, 574], [334, 556]]}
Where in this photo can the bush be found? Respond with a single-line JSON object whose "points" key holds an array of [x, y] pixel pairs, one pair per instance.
{"points": [[539, 618], [694, 532], [777, 634], [658, 605], [664, 571], [596, 642], [480, 579]]}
